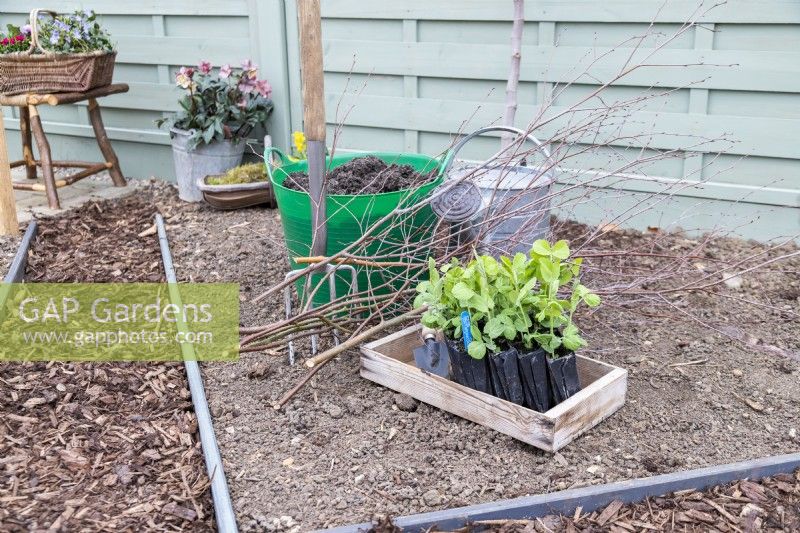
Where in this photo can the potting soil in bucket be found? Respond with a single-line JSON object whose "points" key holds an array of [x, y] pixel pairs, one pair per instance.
{"points": [[350, 215]]}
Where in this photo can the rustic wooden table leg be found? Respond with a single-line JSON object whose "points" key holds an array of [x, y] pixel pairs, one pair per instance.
{"points": [[44, 157], [104, 143], [8, 208], [27, 146]]}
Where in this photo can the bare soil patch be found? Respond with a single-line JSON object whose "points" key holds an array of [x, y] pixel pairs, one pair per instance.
{"points": [[364, 175], [345, 448], [108, 446]]}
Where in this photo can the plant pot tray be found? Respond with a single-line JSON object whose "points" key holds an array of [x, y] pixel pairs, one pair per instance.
{"points": [[237, 196], [390, 362]]}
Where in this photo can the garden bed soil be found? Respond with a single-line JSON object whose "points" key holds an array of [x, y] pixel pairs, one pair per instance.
{"points": [[770, 504], [8, 249], [105, 446], [345, 448], [364, 175]]}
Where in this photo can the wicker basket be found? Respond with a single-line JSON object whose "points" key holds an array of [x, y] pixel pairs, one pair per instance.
{"points": [[48, 72]]}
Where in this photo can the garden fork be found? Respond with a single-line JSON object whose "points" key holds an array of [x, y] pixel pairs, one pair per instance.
{"points": [[330, 270]]}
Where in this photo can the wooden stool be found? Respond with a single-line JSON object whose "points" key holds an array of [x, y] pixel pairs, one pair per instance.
{"points": [[29, 121]]}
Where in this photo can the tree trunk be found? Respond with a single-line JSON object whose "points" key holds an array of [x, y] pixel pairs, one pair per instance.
{"points": [[513, 75]]}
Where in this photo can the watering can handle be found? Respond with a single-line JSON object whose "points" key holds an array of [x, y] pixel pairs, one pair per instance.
{"points": [[451, 154]]}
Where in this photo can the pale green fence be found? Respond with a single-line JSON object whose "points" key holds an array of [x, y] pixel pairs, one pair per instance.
{"points": [[418, 71], [409, 75]]}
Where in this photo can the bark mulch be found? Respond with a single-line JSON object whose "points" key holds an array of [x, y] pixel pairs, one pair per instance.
{"points": [[105, 446], [771, 504]]}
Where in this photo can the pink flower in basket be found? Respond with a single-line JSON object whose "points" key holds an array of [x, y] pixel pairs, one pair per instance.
{"points": [[225, 71], [204, 67]]}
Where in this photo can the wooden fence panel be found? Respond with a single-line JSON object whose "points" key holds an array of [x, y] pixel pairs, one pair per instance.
{"points": [[413, 75]]}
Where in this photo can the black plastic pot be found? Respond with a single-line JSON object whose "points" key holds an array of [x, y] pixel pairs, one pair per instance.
{"points": [[563, 373], [506, 379], [468, 371], [535, 380]]}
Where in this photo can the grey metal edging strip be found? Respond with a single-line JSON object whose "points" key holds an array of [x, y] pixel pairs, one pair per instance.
{"points": [[16, 271], [594, 497], [223, 506]]}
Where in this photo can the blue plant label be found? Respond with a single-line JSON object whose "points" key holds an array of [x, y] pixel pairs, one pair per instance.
{"points": [[466, 328]]}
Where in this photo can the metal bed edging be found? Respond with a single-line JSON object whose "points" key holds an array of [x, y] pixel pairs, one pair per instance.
{"points": [[223, 506], [16, 271]]}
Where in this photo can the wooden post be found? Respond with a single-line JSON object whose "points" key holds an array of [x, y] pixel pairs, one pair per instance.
{"points": [[314, 116], [8, 208]]}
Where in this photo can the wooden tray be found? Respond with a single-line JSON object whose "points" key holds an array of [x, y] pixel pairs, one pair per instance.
{"points": [[390, 362]]}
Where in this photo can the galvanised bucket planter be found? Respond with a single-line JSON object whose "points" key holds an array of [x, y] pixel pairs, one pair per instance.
{"points": [[205, 160]]}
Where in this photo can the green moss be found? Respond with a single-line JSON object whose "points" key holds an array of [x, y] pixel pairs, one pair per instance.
{"points": [[249, 173]]}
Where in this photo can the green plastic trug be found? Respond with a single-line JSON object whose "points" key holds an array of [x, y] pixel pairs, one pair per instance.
{"points": [[349, 216]]}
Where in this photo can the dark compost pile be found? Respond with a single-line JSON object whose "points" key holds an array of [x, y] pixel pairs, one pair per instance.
{"points": [[364, 175]]}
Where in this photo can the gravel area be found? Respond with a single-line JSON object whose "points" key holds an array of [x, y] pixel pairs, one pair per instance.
{"points": [[345, 449]]}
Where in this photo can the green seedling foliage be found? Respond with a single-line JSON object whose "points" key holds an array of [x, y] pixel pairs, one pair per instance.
{"points": [[526, 301]]}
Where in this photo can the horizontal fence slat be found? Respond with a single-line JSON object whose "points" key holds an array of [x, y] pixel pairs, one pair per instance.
{"points": [[180, 50], [752, 135], [674, 11], [711, 190], [741, 70], [153, 136], [146, 7]]}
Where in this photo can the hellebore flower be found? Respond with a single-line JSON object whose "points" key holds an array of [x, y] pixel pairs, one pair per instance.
{"points": [[183, 81], [264, 88], [204, 67], [225, 71], [184, 77], [246, 86], [26, 29]]}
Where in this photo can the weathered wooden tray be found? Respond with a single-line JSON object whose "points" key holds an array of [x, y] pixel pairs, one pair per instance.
{"points": [[390, 362]]}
